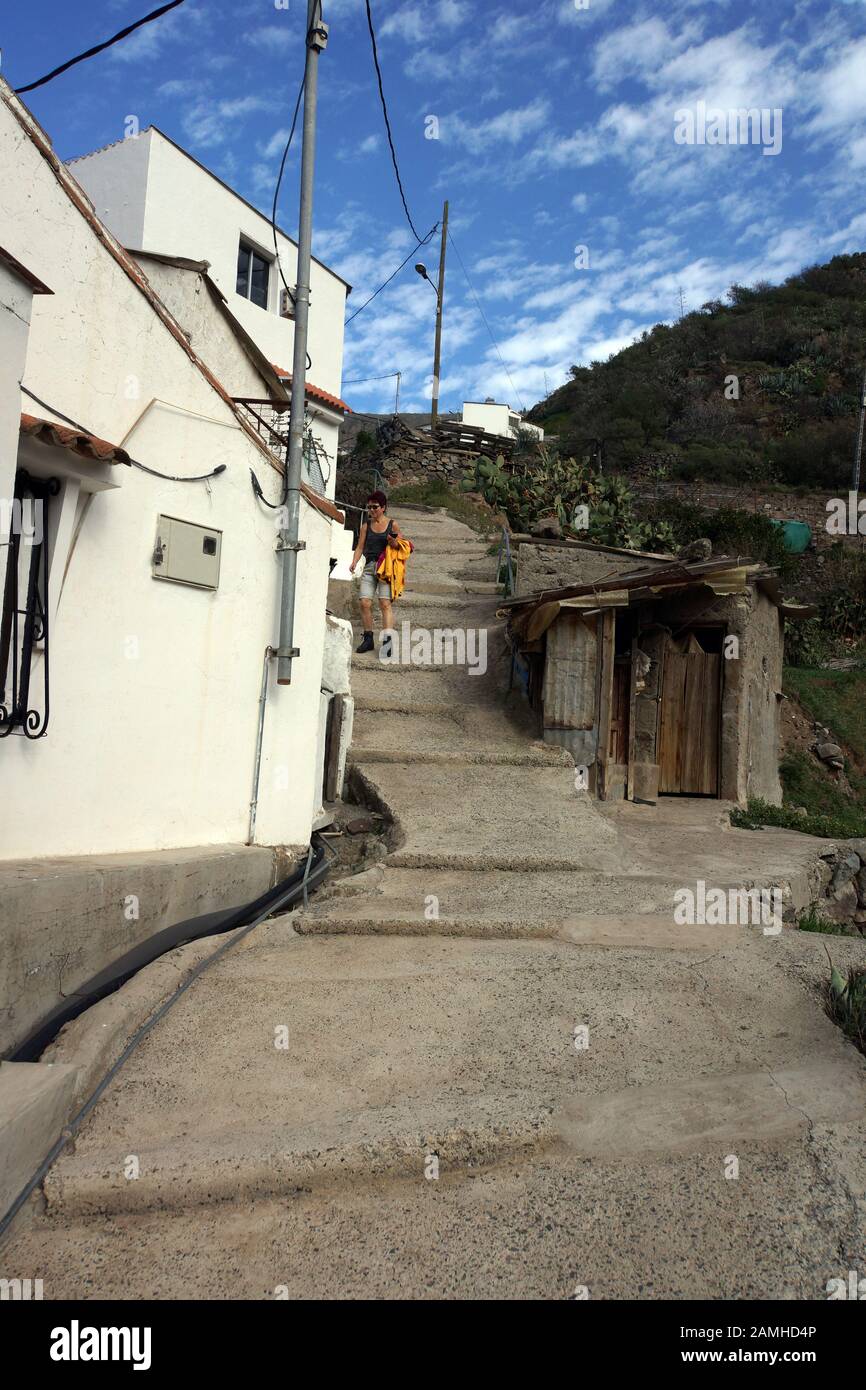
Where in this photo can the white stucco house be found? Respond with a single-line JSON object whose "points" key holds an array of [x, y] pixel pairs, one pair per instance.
{"points": [[171, 213], [496, 418], [141, 618]]}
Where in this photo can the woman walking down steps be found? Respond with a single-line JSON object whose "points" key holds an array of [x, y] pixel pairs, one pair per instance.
{"points": [[377, 533]]}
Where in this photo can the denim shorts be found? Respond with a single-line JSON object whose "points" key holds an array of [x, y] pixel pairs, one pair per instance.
{"points": [[371, 587]]}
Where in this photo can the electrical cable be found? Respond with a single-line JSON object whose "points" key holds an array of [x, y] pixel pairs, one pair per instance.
{"points": [[301, 89], [168, 477], [99, 48], [356, 380], [486, 324], [422, 242], [277, 189], [387, 121]]}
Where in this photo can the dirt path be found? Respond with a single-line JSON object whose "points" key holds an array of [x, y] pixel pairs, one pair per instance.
{"points": [[611, 1101]]}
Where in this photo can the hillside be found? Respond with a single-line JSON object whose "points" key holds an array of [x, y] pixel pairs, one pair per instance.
{"points": [[797, 354]]}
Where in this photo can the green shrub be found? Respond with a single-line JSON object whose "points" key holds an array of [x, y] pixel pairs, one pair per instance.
{"points": [[732, 532]]}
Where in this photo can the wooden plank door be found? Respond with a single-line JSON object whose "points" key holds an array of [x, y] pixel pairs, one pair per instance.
{"points": [[689, 723], [619, 729]]}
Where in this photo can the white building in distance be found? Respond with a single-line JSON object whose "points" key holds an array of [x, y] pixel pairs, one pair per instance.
{"points": [[496, 418]]}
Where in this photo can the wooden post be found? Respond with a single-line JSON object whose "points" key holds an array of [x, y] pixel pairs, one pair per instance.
{"points": [[437, 351]]}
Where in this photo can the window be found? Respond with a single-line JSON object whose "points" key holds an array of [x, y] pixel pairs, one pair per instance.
{"points": [[253, 275]]}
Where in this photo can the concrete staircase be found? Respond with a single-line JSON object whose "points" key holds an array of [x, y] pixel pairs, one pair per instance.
{"points": [[433, 1005]]}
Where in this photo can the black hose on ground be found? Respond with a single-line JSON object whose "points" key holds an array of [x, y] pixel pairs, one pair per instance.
{"points": [[246, 918], [129, 964]]}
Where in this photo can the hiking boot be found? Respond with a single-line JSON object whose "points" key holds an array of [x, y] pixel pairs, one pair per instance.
{"points": [[367, 644]]}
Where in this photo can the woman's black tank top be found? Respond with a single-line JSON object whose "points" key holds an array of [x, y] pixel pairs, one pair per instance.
{"points": [[375, 541]]}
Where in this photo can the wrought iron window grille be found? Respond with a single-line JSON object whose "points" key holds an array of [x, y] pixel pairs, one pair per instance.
{"points": [[24, 625]]}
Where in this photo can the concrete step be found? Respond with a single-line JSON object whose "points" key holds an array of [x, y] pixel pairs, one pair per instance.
{"points": [[445, 587], [623, 932], [401, 1047], [525, 899], [462, 734], [454, 601], [491, 817], [407, 687], [489, 757]]}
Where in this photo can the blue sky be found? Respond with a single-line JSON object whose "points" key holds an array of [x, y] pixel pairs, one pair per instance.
{"points": [[556, 130]]}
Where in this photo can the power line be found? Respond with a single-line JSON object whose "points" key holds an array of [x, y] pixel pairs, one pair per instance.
{"points": [[486, 324], [422, 242], [277, 189], [388, 123], [283, 166], [100, 47], [356, 380]]}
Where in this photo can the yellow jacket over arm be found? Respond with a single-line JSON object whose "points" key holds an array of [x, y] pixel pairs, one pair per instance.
{"points": [[392, 566]]}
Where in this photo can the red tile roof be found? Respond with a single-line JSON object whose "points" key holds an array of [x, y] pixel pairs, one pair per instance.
{"points": [[87, 445], [315, 391]]}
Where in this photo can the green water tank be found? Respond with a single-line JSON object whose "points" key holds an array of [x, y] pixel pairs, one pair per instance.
{"points": [[796, 534]]}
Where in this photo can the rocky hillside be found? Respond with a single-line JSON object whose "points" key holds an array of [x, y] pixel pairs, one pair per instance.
{"points": [[765, 386]]}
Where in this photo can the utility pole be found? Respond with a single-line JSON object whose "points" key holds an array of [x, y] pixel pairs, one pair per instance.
{"points": [[859, 453], [437, 351], [289, 544]]}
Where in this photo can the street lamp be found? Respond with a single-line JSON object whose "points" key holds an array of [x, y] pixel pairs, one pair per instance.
{"points": [[422, 271]]}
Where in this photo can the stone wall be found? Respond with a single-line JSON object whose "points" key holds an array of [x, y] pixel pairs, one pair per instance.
{"points": [[843, 880], [408, 463]]}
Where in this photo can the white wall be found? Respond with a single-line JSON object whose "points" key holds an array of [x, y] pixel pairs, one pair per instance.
{"points": [[497, 419], [115, 179], [490, 417], [16, 298], [188, 212], [154, 686], [186, 294]]}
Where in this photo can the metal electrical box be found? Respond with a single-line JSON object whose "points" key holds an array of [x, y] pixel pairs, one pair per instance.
{"points": [[186, 553]]}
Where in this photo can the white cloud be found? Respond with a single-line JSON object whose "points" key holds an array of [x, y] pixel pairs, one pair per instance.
{"points": [[420, 24], [508, 127], [216, 122], [277, 38], [637, 50], [839, 93]]}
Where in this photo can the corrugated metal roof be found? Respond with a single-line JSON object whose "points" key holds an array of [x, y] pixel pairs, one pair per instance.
{"points": [[650, 577], [88, 446]]}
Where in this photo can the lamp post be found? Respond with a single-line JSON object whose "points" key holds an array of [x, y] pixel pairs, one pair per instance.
{"points": [[440, 292]]}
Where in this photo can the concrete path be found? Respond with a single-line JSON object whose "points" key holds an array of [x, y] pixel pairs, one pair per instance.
{"points": [[612, 1101]]}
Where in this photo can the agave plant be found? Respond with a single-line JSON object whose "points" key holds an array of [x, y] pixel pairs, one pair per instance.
{"points": [[846, 1002]]}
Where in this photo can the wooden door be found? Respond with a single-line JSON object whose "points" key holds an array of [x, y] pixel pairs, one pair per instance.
{"points": [[618, 751], [689, 727]]}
